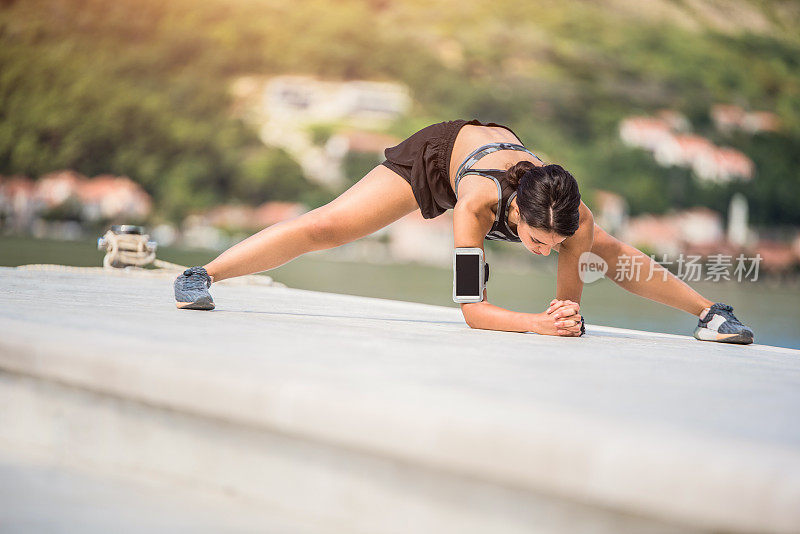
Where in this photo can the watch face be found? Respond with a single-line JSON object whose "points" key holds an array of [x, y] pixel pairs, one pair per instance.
{"points": [[468, 275]]}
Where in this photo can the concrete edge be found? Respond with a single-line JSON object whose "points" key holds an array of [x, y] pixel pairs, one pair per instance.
{"points": [[274, 285]]}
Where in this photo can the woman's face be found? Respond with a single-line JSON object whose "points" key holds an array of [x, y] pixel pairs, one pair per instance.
{"points": [[538, 241]]}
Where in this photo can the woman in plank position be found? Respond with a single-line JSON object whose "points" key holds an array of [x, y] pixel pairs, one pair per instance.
{"points": [[514, 196]]}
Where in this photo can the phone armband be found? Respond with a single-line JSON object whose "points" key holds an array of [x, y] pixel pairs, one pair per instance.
{"points": [[470, 274]]}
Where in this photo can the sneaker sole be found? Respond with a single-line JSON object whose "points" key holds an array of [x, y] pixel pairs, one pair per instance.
{"points": [[201, 304], [706, 334]]}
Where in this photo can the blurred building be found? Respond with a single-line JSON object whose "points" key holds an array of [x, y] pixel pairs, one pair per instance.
{"points": [[676, 120], [761, 121], [682, 150], [55, 188], [644, 132], [108, 197], [728, 118], [610, 211], [662, 136], [60, 203], [776, 257], [675, 232], [722, 165], [306, 99], [699, 225], [796, 245], [709, 162], [429, 241], [102, 197], [18, 205], [285, 108]]}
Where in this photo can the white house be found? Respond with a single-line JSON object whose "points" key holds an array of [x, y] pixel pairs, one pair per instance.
{"points": [[728, 118], [722, 165], [291, 104], [644, 132], [113, 197], [18, 206], [55, 188], [671, 233], [682, 150], [676, 120], [306, 99]]}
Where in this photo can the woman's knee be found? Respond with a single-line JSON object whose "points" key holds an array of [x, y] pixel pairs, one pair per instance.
{"points": [[324, 229]]}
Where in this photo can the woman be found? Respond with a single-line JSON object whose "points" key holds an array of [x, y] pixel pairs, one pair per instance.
{"points": [[513, 197]]}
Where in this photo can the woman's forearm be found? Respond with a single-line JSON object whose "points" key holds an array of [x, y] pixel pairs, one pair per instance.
{"points": [[485, 316]]}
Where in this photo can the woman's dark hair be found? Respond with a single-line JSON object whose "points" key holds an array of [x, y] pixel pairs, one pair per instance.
{"points": [[547, 197]]}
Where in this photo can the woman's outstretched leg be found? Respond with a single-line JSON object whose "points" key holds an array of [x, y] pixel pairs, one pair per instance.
{"points": [[662, 286], [716, 319], [378, 199]]}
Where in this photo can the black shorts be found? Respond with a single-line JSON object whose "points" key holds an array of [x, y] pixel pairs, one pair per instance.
{"points": [[423, 160]]}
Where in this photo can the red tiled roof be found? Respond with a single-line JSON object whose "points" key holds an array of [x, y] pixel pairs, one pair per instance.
{"points": [[762, 121], [735, 162], [775, 256], [727, 114], [16, 185], [646, 123], [95, 189], [693, 143]]}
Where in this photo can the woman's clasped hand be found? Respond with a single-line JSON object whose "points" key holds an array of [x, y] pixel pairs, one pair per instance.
{"points": [[563, 318]]}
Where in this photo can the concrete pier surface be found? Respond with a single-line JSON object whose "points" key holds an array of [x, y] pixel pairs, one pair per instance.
{"points": [[353, 414]]}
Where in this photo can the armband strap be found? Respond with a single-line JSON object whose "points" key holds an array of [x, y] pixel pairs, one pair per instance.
{"points": [[583, 327]]}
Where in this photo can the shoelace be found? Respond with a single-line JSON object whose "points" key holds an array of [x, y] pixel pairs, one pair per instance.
{"points": [[196, 279], [726, 311]]}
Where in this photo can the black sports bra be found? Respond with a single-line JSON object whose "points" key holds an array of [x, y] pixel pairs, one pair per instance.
{"points": [[500, 231]]}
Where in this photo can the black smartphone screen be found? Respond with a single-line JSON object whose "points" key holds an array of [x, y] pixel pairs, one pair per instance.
{"points": [[467, 275]]}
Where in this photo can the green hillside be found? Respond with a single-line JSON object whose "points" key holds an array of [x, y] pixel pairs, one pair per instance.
{"points": [[140, 87]]}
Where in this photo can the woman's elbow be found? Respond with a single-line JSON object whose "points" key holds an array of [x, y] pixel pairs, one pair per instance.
{"points": [[467, 310]]}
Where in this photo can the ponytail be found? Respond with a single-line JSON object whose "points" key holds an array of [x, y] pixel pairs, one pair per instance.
{"points": [[515, 173]]}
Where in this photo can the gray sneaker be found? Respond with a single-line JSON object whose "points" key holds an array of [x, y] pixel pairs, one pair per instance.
{"points": [[720, 324], [191, 290]]}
